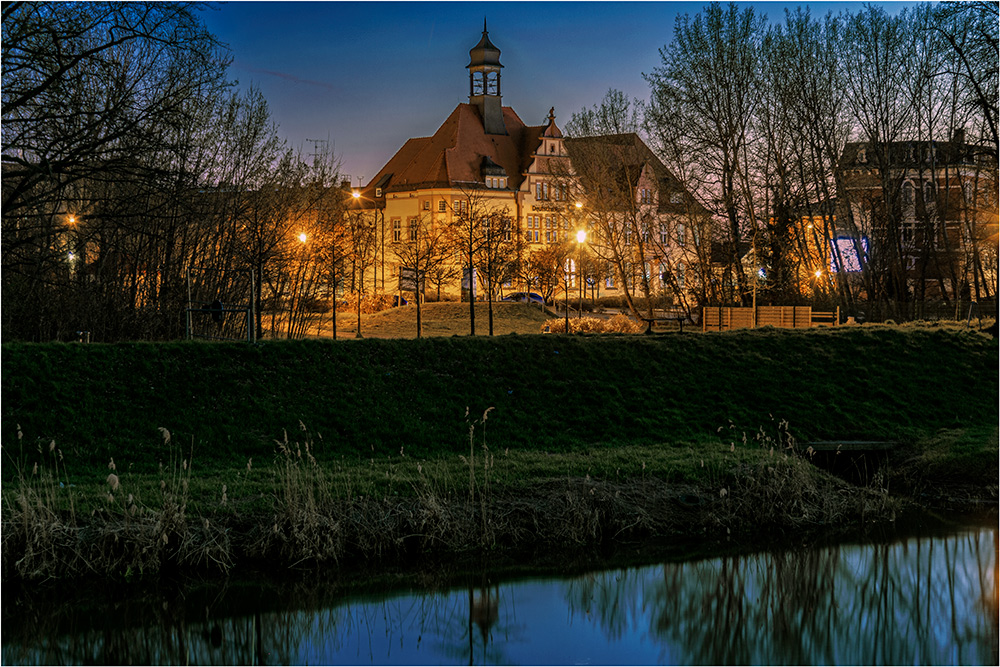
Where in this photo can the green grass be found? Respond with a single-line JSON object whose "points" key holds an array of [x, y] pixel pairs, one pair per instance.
{"points": [[370, 399]]}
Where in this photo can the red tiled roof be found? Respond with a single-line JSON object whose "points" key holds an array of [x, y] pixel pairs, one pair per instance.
{"points": [[454, 154]]}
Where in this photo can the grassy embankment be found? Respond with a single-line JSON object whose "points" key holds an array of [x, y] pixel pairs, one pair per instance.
{"points": [[452, 444]]}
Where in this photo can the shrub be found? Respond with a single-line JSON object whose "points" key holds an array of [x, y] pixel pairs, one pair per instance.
{"points": [[617, 324], [370, 303]]}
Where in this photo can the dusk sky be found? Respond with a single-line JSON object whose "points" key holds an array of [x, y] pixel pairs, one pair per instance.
{"points": [[370, 75]]}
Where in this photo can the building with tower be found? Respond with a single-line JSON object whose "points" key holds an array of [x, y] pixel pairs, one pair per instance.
{"points": [[488, 205]]}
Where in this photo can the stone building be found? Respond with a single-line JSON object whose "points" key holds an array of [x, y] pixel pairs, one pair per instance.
{"points": [[919, 217]]}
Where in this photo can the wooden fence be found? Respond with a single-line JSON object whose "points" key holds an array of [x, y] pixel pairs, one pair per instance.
{"points": [[722, 318]]}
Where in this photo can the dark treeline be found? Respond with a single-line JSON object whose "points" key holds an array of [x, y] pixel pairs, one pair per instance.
{"points": [[130, 164], [137, 182]]}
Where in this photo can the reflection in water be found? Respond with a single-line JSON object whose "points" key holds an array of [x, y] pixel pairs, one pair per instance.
{"points": [[922, 600]]}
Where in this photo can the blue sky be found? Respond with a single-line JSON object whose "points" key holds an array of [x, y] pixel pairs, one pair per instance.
{"points": [[370, 75]]}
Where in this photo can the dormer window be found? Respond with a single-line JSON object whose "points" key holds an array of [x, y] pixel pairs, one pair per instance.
{"points": [[863, 156], [494, 176]]}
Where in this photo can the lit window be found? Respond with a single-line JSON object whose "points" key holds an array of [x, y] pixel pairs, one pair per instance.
{"points": [[609, 282], [681, 234]]}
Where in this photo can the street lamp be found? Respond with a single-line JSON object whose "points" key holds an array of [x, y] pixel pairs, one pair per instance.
{"points": [[380, 238], [566, 293], [581, 238]]}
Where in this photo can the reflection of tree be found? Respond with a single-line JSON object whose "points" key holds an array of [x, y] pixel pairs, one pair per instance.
{"points": [[872, 604], [924, 600]]}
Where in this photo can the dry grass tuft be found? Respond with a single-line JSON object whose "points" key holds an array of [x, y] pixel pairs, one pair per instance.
{"points": [[121, 538], [618, 324], [780, 491]]}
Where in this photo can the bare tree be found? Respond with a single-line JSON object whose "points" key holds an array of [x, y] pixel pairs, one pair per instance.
{"points": [[98, 104], [709, 76], [481, 233], [425, 254]]}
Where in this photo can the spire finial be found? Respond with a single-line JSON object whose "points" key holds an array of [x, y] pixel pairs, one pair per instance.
{"points": [[484, 25]]}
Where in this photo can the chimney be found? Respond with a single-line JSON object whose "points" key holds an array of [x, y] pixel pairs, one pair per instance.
{"points": [[958, 136], [345, 184]]}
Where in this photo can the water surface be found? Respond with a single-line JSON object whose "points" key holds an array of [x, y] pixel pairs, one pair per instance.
{"points": [[918, 600]]}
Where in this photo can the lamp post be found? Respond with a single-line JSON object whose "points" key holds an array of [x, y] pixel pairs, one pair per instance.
{"points": [[581, 238], [566, 293]]}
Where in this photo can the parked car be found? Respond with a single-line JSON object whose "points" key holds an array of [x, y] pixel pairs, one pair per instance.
{"points": [[525, 297]]}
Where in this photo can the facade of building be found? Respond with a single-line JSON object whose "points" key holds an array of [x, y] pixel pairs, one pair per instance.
{"points": [[918, 220], [518, 207]]}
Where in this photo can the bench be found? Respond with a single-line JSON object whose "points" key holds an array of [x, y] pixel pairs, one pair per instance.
{"points": [[650, 321]]}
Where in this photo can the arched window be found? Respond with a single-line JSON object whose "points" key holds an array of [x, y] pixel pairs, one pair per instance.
{"points": [[928, 192]]}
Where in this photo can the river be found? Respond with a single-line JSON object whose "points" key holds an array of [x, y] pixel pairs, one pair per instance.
{"points": [[924, 598]]}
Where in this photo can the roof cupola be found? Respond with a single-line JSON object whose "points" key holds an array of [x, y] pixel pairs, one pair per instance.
{"points": [[484, 83]]}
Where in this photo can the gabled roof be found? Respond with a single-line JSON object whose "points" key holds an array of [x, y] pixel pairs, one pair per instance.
{"points": [[914, 154], [626, 155], [454, 154]]}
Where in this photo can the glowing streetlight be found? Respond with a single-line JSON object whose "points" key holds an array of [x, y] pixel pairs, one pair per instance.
{"points": [[303, 237], [819, 274], [581, 236], [356, 194]]}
